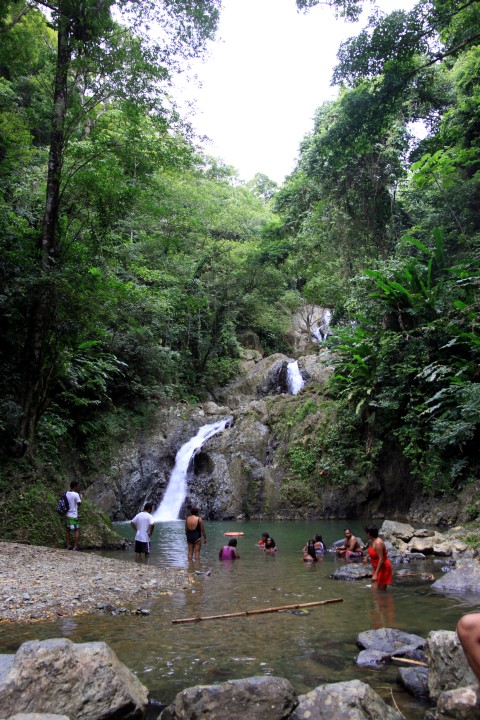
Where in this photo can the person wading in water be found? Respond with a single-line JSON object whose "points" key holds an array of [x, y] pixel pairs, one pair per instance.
{"points": [[194, 530]]}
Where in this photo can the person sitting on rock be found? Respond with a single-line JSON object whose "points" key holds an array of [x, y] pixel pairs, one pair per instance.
{"points": [[351, 548]]}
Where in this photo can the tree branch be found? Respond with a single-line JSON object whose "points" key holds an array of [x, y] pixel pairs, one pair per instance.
{"points": [[15, 20], [442, 56]]}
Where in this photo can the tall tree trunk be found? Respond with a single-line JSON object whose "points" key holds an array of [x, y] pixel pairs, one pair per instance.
{"points": [[39, 342]]}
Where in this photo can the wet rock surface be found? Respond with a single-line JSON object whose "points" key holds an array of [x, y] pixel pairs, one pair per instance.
{"points": [[448, 667], [83, 681], [344, 701], [256, 698]]}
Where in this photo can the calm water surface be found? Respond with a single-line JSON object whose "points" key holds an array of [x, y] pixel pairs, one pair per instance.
{"points": [[308, 649]]}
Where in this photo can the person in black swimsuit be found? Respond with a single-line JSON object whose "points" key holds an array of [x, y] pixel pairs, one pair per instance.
{"points": [[194, 530]]}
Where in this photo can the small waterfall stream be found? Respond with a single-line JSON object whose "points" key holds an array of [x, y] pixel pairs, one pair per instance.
{"points": [[176, 491], [295, 380], [319, 332]]}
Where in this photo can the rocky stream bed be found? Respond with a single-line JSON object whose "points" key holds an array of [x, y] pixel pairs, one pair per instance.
{"points": [[39, 583]]}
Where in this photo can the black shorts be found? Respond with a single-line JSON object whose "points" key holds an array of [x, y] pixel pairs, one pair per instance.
{"points": [[142, 547]]}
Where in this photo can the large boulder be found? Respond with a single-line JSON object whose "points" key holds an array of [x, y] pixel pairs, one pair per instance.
{"points": [[352, 572], [84, 681], [422, 545], [448, 667], [393, 531], [255, 698], [465, 578], [389, 639], [352, 700], [389, 642], [415, 680], [459, 704]]}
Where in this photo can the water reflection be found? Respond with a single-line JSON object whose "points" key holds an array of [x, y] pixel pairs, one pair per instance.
{"points": [[383, 609], [307, 649]]}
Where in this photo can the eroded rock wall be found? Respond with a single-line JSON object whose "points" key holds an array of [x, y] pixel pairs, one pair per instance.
{"points": [[246, 471]]}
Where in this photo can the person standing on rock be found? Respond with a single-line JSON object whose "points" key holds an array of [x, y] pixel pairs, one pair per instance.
{"points": [[143, 524], [74, 499], [194, 529]]}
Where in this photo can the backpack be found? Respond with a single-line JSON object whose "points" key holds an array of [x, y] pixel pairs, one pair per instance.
{"points": [[63, 504]]}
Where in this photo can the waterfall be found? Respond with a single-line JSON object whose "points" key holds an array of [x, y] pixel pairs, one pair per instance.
{"points": [[321, 331], [176, 491], [316, 333], [294, 378]]}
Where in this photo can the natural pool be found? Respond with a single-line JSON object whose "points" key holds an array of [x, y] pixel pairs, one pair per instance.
{"points": [[308, 649]]}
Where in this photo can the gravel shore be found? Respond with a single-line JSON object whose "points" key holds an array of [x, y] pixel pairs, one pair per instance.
{"points": [[46, 583]]}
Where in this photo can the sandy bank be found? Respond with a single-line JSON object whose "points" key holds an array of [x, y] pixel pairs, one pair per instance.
{"points": [[46, 583]]}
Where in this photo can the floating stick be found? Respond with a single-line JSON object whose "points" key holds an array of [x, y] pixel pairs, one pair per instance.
{"points": [[257, 612], [407, 661]]}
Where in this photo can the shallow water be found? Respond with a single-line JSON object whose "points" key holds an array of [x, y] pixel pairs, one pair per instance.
{"points": [[308, 649]]}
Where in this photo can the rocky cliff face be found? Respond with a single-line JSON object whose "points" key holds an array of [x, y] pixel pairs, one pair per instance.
{"points": [[246, 470]]}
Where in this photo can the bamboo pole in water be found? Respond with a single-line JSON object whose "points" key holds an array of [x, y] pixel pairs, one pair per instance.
{"points": [[257, 612], [407, 661]]}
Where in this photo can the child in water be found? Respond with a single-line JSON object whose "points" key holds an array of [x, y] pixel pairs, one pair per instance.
{"points": [[319, 544], [263, 539], [309, 552], [269, 546]]}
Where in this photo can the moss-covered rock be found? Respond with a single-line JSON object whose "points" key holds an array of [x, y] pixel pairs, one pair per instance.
{"points": [[28, 514]]}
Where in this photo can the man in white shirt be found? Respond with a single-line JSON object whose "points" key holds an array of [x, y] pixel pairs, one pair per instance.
{"points": [[143, 524], [74, 499]]}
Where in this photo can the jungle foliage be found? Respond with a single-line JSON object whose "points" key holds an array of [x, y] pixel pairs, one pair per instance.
{"points": [[131, 263], [387, 230], [129, 260]]}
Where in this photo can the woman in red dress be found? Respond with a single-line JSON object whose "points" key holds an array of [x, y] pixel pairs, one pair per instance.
{"points": [[382, 567]]}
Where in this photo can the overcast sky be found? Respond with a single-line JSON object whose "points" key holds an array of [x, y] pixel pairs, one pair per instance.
{"points": [[265, 76]]}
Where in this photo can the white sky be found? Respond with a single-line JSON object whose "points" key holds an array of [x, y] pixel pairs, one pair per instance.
{"points": [[265, 76]]}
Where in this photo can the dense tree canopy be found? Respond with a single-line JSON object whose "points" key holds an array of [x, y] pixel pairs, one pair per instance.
{"points": [[131, 264], [396, 219]]}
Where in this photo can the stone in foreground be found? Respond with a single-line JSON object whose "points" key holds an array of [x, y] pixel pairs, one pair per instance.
{"points": [[461, 704], [37, 716], [415, 680], [448, 666], [85, 681], [255, 698], [352, 700], [390, 641]]}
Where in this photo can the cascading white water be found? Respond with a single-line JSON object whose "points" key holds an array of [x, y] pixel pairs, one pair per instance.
{"points": [[321, 331], [176, 491], [294, 378], [316, 333]]}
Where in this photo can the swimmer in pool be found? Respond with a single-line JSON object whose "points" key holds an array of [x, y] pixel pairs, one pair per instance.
{"points": [[309, 552], [229, 552], [269, 547]]}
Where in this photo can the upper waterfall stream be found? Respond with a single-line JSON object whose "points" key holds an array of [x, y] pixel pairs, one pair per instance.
{"points": [[176, 491]]}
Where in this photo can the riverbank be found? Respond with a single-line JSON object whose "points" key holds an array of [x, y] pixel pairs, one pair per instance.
{"points": [[43, 583]]}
